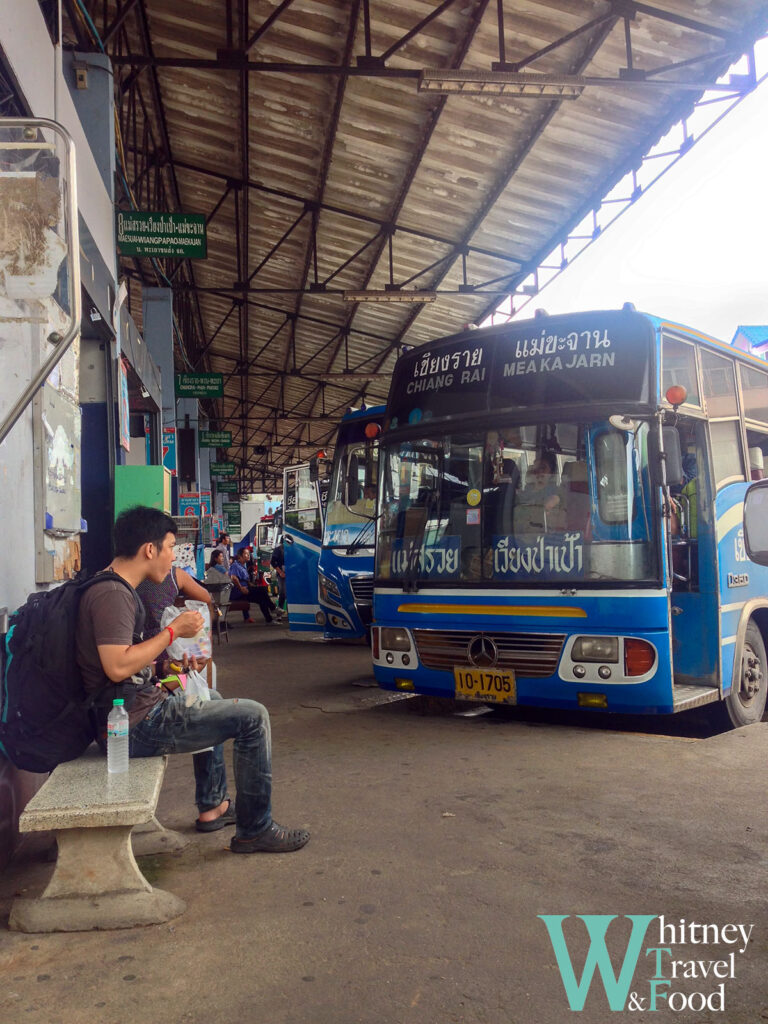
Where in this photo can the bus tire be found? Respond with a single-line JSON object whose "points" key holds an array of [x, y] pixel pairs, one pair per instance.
{"points": [[745, 702]]}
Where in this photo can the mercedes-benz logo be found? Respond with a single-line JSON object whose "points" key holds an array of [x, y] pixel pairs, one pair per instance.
{"points": [[482, 651]]}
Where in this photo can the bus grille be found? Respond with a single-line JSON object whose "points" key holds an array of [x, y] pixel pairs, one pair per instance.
{"points": [[362, 589], [528, 654]]}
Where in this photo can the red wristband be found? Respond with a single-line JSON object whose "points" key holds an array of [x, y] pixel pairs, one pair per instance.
{"points": [[170, 630]]}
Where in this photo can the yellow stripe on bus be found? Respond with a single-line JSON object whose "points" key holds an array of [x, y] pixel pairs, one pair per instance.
{"points": [[493, 609]]}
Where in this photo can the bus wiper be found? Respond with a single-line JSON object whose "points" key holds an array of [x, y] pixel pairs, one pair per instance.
{"points": [[362, 538]]}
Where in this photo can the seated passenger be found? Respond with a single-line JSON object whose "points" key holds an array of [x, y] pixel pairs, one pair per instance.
{"points": [[538, 507]]}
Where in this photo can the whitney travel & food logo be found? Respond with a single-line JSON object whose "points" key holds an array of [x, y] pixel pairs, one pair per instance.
{"points": [[661, 985]]}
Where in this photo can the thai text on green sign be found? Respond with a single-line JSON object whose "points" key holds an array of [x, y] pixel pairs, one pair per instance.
{"points": [[181, 235], [222, 469], [227, 486], [215, 438], [199, 385], [231, 510]]}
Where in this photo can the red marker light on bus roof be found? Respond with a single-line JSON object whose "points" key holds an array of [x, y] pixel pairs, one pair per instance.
{"points": [[321, 454], [676, 394], [372, 430]]}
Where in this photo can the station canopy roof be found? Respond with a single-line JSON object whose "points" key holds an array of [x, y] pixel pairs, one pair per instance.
{"points": [[340, 147]]}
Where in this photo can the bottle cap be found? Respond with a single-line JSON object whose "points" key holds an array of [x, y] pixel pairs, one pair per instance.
{"points": [[118, 702]]}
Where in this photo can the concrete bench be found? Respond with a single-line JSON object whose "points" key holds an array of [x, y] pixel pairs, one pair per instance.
{"points": [[97, 883]]}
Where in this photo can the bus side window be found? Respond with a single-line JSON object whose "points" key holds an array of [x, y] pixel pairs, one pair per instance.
{"points": [[612, 483], [726, 451]]}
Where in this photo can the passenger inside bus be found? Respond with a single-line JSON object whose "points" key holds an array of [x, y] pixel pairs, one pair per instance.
{"points": [[538, 508]]}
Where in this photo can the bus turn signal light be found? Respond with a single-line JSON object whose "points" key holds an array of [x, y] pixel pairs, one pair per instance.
{"points": [[639, 657], [676, 394]]}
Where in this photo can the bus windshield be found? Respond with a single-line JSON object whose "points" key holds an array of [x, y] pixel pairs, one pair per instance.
{"points": [[352, 495], [537, 503]]}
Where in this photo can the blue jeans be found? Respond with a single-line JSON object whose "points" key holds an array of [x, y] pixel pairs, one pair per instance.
{"points": [[173, 728]]}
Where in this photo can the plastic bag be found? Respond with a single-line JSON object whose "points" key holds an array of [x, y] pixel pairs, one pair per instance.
{"points": [[196, 686], [196, 689], [198, 646]]}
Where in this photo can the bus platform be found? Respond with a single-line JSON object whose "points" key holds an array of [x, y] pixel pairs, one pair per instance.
{"points": [[440, 833]]}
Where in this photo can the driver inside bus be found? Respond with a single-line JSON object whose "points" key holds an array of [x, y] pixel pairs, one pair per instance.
{"points": [[538, 508]]}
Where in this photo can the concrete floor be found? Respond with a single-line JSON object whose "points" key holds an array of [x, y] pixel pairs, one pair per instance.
{"points": [[436, 842]]}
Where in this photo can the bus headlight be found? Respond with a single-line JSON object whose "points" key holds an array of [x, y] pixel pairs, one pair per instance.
{"points": [[329, 592], [596, 648], [395, 639]]}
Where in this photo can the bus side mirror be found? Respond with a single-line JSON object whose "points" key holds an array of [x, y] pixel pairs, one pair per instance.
{"points": [[673, 455], [675, 474], [756, 522]]}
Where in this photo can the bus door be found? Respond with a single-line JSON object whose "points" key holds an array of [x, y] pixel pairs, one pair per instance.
{"points": [[303, 533], [695, 618]]}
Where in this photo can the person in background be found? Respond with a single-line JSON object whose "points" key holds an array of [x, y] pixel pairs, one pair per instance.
{"points": [[278, 564], [223, 546], [242, 585], [538, 503], [156, 597], [216, 564]]}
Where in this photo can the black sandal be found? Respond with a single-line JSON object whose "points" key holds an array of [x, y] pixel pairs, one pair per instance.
{"points": [[227, 818], [274, 839]]}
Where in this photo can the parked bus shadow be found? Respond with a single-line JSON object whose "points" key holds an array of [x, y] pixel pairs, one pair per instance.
{"points": [[694, 724]]}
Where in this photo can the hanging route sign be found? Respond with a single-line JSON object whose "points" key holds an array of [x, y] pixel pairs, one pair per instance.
{"points": [[180, 235], [199, 385], [222, 469], [215, 438], [227, 486], [231, 510]]}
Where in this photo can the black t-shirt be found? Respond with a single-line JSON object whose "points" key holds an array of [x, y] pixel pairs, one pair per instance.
{"points": [[278, 562]]}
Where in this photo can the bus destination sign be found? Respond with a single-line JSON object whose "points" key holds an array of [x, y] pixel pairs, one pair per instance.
{"points": [[562, 360], [181, 235], [199, 385]]}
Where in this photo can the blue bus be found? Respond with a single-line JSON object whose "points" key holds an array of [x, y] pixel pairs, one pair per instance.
{"points": [[345, 570], [560, 519], [330, 533]]}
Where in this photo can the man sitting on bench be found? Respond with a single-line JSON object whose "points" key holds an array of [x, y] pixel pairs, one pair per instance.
{"points": [[160, 720]]}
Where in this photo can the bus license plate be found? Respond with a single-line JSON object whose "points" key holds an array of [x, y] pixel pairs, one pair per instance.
{"points": [[485, 684]]}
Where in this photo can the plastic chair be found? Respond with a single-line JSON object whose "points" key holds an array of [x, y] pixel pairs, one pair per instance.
{"points": [[221, 594]]}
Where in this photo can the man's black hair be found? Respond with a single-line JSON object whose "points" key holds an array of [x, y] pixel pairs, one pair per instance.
{"points": [[140, 525]]}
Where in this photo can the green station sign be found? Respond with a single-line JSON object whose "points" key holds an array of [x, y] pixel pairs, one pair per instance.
{"points": [[199, 385], [222, 469], [227, 486], [231, 510], [181, 235], [215, 438]]}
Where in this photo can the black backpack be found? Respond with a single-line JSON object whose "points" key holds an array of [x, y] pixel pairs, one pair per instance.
{"points": [[47, 717]]}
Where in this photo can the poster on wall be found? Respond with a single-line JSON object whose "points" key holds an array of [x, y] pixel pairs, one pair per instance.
{"points": [[189, 503], [169, 449], [125, 413], [206, 503]]}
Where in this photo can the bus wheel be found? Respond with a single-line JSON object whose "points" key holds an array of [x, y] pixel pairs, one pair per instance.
{"points": [[746, 701]]}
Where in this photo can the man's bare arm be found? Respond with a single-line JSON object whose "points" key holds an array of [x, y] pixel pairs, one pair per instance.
{"points": [[121, 662]]}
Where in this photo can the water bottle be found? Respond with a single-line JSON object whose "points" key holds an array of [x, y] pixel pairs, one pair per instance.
{"points": [[117, 738]]}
